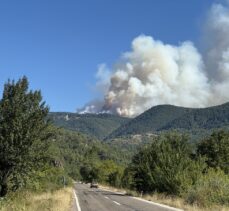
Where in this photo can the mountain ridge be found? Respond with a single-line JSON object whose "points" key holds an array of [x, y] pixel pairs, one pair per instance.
{"points": [[157, 119], [95, 125], [169, 117]]}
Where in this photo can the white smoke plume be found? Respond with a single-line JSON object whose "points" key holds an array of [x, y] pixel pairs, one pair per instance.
{"points": [[217, 53], [154, 73]]}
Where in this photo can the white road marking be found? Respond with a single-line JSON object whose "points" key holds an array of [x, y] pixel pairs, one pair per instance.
{"points": [[159, 205], [77, 202], [112, 200], [116, 203], [143, 200]]}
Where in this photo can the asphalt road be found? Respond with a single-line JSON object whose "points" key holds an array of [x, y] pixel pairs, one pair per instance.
{"points": [[93, 199]]}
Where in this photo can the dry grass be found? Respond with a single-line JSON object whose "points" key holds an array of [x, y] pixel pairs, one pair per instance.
{"points": [[180, 203], [60, 200], [167, 200]]}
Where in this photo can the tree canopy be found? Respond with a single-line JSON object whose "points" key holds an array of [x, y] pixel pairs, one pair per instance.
{"points": [[216, 150], [23, 133]]}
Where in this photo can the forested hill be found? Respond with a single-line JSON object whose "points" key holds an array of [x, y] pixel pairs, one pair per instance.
{"points": [[167, 117], [95, 125], [207, 118], [157, 119]]}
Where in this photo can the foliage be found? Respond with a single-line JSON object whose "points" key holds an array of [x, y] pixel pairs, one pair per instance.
{"points": [[107, 172], [84, 158], [95, 125], [32, 159], [150, 121], [170, 165], [167, 117], [211, 188], [166, 166], [50, 178], [24, 132], [216, 150], [104, 171]]}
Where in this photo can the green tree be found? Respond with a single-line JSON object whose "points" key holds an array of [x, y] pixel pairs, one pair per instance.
{"points": [[216, 150], [166, 166], [23, 134], [89, 172]]}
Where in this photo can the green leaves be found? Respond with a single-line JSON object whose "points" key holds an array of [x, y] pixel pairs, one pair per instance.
{"points": [[216, 150], [24, 132], [166, 166]]}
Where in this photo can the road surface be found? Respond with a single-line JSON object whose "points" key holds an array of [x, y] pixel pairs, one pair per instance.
{"points": [[93, 199]]}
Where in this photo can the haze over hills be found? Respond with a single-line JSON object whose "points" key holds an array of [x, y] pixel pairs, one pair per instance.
{"points": [[157, 119]]}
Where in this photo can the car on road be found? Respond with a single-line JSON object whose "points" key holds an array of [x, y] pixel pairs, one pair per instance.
{"points": [[94, 185]]}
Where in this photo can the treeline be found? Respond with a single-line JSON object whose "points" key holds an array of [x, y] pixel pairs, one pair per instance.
{"points": [[82, 156], [169, 165]]}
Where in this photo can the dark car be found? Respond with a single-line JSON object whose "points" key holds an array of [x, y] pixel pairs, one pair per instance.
{"points": [[94, 185]]}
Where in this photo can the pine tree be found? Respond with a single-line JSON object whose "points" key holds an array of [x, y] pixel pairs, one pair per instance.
{"points": [[23, 133]]}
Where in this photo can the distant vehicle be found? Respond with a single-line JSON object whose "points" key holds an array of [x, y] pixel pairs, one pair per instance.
{"points": [[94, 185]]}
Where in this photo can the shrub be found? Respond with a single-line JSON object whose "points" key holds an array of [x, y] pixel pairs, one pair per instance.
{"points": [[211, 188], [166, 166], [216, 150], [49, 179]]}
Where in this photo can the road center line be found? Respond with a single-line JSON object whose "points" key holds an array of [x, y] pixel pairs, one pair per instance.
{"points": [[106, 197], [116, 203], [77, 202]]}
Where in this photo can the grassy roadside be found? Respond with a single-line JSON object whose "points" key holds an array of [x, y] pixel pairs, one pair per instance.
{"points": [[60, 200], [166, 200]]}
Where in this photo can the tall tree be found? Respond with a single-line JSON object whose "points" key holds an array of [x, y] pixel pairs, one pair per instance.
{"points": [[23, 133]]}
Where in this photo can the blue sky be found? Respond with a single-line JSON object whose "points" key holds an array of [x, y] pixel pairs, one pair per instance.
{"points": [[58, 44]]}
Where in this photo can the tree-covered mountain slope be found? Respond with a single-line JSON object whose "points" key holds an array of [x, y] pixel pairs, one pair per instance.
{"points": [[203, 118], [168, 117], [95, 125]]}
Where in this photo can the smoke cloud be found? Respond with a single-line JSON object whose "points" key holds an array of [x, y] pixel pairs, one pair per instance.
{"points": [[154, 73]]}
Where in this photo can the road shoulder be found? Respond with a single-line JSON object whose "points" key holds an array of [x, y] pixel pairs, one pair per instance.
{"points": [[122, 192]]}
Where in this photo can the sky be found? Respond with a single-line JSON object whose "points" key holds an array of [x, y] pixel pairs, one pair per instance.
{"points": [[59, 44]]}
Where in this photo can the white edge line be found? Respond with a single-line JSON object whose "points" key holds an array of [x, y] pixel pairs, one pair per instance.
{"points": [[77, 202], [157, 204], [154, 203], [116, 202]]}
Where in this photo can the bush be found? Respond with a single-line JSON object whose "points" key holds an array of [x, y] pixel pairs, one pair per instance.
{"points": [[211, 188], [166, 166], [216, 150], [50, 179]]}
